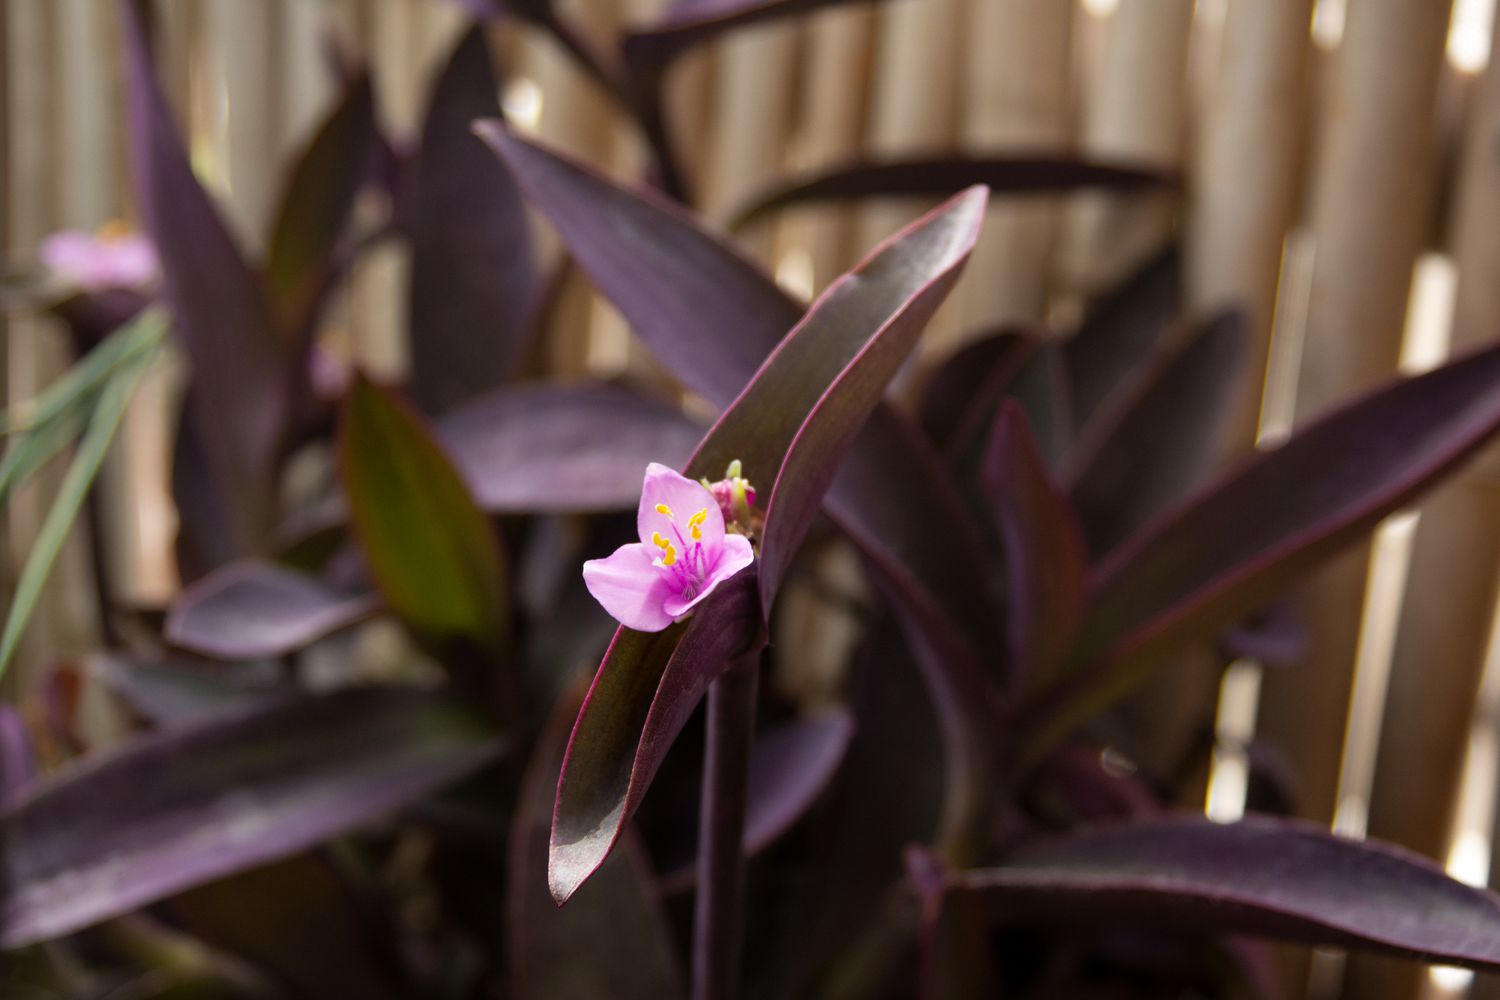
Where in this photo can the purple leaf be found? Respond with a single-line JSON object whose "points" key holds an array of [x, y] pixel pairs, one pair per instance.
{"points": [[1232, 548], [430, 550], [1149, 445], [301, 260], [167, 693], [175, 810], [1045, 559], [712, 317], [255, 610], [616, 922], [961, 396], [564, 449], [642, 696], [1119, 333], [242, 365], [473, 277], [942, 175], [17, 763], [879, 309], [1266, 877], [790, 768]]}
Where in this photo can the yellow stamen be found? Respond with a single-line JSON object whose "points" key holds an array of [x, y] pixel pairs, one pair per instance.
{"points": [[696, 524], [664, 510], [113, 231], [668, 550]]}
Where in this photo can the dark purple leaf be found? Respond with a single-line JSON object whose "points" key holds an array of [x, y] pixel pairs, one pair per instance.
{"points": [[167, 693], [301, 260], [960, 398], [473, 276], [790, 768], [1274, 636], [430, 550], [1119, 333], [612, 939], [1266, 877], [1234, 547], [1152, 443], [942, 175], [242, 364], [92, 316], [957, 960], [562, 449], [17, 763], [642, 696], [712, 317], [1045, 559], [255, 610], [175, 810], [879, 308], [788, 417]]}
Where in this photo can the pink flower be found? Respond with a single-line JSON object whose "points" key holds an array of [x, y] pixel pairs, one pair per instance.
{"points": [[683, 554], [111, 258]]}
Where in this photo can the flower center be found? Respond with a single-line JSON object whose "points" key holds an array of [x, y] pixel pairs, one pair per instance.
{"points": [[687, 566]]}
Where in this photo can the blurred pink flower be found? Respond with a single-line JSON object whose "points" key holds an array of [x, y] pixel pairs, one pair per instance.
{"points": [[683, 554], [113, 257]]}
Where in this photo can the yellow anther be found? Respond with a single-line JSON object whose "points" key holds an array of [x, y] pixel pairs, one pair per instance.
{"points": [[113, 231], [664, 510], [668, 550], [696, 524]]}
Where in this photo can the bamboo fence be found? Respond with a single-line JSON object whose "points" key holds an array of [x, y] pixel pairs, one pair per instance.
{"points": [[1342, 184]]}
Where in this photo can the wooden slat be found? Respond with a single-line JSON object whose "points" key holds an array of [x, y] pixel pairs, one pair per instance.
{"points": [[1134, 109], [1246, 179], [1018, 96]]}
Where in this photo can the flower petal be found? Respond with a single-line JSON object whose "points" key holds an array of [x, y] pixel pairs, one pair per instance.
{"points": [[734, 555], [631, 589], [684, 498]]}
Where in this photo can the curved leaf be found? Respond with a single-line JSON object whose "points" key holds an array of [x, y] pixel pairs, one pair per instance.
{"points": [[1270, 877], [315, 206], [712, 316], [692, 22], [431, 551], [1146, 450], [642, 696], [896, 291], [1042, 173], [1045, 559], [616, 922], [176, 810], [1232, 548], [242, 370], [255, 610], [473, 277], [563, 449]]}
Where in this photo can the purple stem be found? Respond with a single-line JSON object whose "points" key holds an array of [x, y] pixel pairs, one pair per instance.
{"points": [[721, 831]]}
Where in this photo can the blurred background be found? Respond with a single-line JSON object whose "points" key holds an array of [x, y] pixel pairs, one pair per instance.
{"points": [[1340, 181]]}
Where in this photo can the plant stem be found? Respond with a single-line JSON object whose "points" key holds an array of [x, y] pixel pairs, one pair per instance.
{"points": [[721, 831]]}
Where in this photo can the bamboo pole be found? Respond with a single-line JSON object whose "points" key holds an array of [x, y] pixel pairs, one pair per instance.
{"points": [[1246, 178], [1018, 96], [1134, 110], [1375, 153], [913, 99]]}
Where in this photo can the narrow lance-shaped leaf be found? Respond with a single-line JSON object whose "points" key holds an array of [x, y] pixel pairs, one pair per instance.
{"points": [[616, 922], [241, 368], [1045, 560], [255, 610], [901, 285], [1147, 449], [1267, 877], [712, 316], [473, 276], [692, 22], [845, 349], [176, 810], [58, 523], [936, 176], [1231, 549], [430, 549], [314, 210]]}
